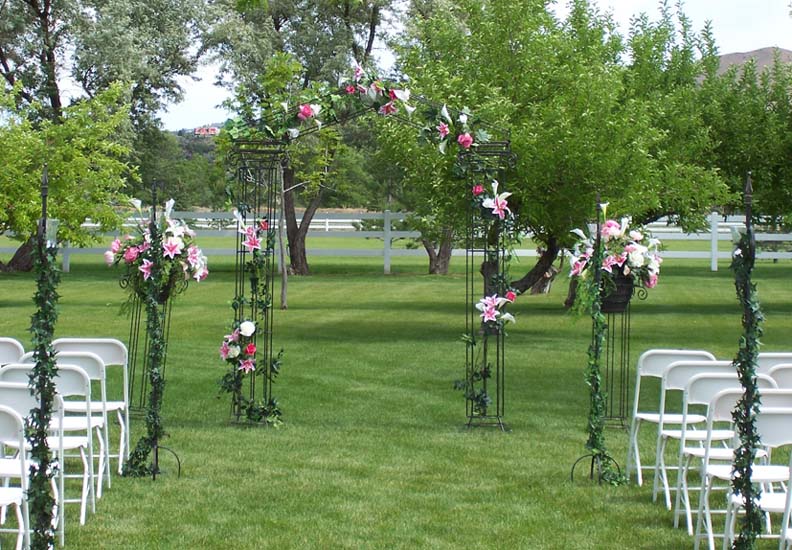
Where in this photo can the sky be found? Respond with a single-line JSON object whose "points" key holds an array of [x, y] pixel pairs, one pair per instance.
{"points": [[738, 26]]}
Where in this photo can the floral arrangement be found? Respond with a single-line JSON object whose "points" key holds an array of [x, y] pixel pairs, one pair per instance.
{"points": [[179, 257], [491, 312], [238, 349], [630, 252], [492, 206]]}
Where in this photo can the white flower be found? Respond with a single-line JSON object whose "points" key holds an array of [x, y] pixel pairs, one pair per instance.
{"points": [[294, 133], [444, 113], [233, 351], [247, 328], [463, 118], [507, 317], [636, 235], [402, 95], [169, 208], [137, 204]]}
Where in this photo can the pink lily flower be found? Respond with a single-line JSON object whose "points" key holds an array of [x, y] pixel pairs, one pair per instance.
{"points": [[194, 256], [610, 228], [609, 262], [443, 129], [489, 314], [388, 109], [115, 246], [498, 204], [247, 365], [146, 269], [578, 267], [201, 274], [172, 247], [224, 350], [252, 243]]}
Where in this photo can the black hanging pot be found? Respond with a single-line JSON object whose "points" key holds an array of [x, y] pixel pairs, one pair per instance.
{"points": [[616, 297]]}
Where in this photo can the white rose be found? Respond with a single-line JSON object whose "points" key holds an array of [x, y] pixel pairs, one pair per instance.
{"points": [[247, 328], [636, 258], [233, 351], [636, 235]]}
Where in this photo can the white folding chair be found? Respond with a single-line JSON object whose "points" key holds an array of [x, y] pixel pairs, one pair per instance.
{"points": [[12, 429], [782, 374], [651, 364], [774, 426], [10, 350], [70, 381], [675, 378], [701, 390], [18, 397], [720, 410], [94, 367], [766, 360], [114, 354]]}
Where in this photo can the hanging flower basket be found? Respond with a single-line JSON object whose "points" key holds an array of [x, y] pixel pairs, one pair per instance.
{"points": [[616, 297]]}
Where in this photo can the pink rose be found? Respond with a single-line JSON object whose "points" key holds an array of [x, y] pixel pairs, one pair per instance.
{"points": [[306, 112], [511, 295], [131, 254], [443, 129], [478, 190], [350, 89], [250, 349], [652, 282], [465, 140], [115, 246], [264, 225]]}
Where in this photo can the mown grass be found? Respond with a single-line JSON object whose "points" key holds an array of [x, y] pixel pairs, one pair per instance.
{"points": [[373, 452]]}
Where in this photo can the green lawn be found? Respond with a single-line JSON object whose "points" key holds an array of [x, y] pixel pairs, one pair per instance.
{"points": [[373, 452]]}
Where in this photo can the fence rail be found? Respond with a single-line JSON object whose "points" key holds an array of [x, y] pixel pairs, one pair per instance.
{"points": [[344, 225]]}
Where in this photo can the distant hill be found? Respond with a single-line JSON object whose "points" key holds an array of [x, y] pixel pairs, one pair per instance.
{"points": [[763, 57]]}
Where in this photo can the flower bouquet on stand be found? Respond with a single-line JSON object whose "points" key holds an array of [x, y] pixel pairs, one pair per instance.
{"points": [[179, 257], [630, 259]]}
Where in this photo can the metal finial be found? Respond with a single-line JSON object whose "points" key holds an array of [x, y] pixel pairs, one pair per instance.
{"points": [[748, 191], [44, 182]]}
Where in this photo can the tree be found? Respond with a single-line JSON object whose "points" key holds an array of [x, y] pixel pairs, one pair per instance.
{"points": [[274, 53], [86, 161], [145, 44], [579, 125]]}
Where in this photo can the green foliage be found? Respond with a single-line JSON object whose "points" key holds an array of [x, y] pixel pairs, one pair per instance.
{"points": [[744, 414], [42, 384], [86, 157]]}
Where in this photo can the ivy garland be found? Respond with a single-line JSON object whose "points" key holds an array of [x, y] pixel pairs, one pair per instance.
{"points": [[137, 465], [40, 498], [590, 296], [744, 415]]}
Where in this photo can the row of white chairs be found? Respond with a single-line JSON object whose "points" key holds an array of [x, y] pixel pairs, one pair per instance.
{"points": [[76, 415], [705, 382]]}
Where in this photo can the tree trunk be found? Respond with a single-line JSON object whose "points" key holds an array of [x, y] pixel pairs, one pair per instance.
{"points": [[22, 259], [543, 270], [298, 260], [439, 259]]}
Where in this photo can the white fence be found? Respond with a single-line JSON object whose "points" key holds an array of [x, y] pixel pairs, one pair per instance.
{"points": [[221, 224]]}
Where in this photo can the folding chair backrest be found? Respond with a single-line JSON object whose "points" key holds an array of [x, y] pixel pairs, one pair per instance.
{"points": [[782, 374], [678, 374], [91, 363], [10, 350], [776, 398], [71, 379], [653, 362], [702, 388], [773, 425], [12, 428], [109, 350], [767, 360]]}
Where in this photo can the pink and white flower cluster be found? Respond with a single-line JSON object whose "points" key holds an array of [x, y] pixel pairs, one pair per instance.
{"points": [[497, 203], [178, 252], [239, 348], [628, 251], [255, 235], [490, 308]]}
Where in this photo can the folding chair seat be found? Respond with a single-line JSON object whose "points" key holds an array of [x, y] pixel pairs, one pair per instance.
{"points": [[12, 430], [94, 367], [782, 374], [696, 444], [651, 364], [774, 428], [674, 379], [114, 354], [70, 381], [720, 410], [10, 350]]}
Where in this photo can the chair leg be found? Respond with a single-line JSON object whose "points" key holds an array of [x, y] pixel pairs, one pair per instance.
{"points": [[633, 456], [21, 524], [102, 463], [123, 441], [86, 485]]}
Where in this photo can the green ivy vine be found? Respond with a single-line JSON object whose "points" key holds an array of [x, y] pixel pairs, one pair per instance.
{"points": [[744, 415], [40, 498], [138, 465]]}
